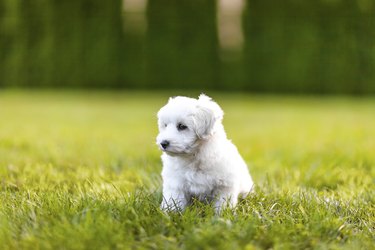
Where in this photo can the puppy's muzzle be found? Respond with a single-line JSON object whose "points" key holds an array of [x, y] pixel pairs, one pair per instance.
{"points": [[164, 144]]}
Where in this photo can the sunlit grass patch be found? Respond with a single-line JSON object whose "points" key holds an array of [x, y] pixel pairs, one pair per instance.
{"points": [[81, 171]]}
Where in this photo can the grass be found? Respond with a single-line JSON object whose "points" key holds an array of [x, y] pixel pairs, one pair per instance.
{"points": [[81, 171]]}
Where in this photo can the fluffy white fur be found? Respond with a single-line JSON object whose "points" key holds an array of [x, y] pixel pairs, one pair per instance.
{"points": [[198, 159]]}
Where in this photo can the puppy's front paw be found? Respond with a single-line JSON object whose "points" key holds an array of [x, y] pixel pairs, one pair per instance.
{"points": [[225, 201]]}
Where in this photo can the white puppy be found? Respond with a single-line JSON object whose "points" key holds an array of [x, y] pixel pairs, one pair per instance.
{"points": [[198, 160]]}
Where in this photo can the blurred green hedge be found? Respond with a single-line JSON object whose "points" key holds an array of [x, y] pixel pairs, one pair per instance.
{"points": [[322, 46]]}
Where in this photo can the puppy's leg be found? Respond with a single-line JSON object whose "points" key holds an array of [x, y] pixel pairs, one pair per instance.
{"points": [[173, 200], [225, 199]]}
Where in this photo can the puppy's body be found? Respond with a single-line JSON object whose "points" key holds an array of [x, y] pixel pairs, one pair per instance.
{"points": [[199, 161]]}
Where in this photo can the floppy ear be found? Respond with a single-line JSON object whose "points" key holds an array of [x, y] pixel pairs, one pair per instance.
{"points": [[207, 114]]}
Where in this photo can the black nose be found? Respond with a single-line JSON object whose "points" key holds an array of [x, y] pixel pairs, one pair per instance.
{"points": [[164, 144]]}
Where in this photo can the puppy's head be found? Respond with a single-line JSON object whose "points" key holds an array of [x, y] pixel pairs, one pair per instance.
{"points": [[185, 122]]}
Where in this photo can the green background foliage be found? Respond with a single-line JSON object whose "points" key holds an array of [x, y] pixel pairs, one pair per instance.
{"points": [[321, 46]]}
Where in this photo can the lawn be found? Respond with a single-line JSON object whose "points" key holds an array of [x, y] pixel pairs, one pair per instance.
{"points": [[82, 171]]}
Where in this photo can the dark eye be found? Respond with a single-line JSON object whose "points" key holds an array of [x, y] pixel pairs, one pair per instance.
{"points": [[181, 126]]}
